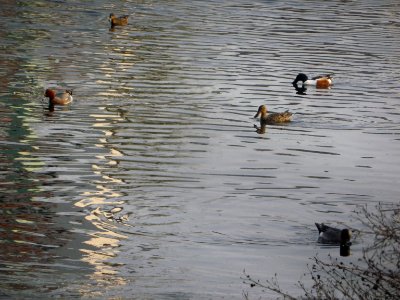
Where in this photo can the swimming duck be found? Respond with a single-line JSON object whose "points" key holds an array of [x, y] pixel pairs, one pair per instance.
{"points": [[330, 235], [63, 98], [118, 21], [322, 82], [272, 118]]}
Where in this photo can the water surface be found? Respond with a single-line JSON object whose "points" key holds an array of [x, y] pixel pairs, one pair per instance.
{"points": [[154, 183]]}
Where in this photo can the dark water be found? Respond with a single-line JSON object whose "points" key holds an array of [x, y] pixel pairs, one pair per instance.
{"points": [[154, 184]]}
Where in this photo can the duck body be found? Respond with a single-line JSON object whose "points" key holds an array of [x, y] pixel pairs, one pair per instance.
{"points": [[322, 81], [272, 118], [63, 98], [118, 21], [330, 235]]}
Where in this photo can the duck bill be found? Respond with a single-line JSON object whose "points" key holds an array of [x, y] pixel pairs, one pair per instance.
{"points": [[258, 113]]}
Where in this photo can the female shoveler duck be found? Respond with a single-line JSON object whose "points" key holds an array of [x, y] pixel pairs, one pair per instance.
{"points": [[272, 118], [118, 21], [321, 82], [63, 98], [330, 235]]}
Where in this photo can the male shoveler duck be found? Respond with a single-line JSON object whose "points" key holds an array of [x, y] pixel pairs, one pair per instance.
{"points": [[63, 98], [330, 235], [272, 118], [322, 82], [118, 21]]}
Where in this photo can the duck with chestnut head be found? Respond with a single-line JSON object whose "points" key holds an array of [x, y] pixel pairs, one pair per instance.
{"points": [[63, 98]]}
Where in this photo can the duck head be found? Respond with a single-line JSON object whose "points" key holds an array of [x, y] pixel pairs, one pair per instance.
{"points": [[262, 109], [111, 17], [300, 77], [50, 93]]}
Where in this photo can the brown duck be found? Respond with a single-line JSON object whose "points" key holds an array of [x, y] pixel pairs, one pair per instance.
{"points": [[118, 21], [63, 98], [272, 118]]}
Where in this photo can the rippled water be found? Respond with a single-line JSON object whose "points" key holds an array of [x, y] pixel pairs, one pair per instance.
{"points": [[155, 184]]}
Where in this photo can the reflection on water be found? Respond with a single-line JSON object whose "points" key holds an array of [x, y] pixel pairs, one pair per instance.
{"points": [[157, 182]]}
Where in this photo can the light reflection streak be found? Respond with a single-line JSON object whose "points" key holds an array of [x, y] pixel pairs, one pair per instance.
{"points": [[106, 240]]}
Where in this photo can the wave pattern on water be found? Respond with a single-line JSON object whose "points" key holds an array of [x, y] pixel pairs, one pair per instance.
{"points": [[154, 182]]}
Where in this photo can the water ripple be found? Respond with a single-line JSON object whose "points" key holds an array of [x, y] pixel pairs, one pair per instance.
{"points": [[155, 179]]}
